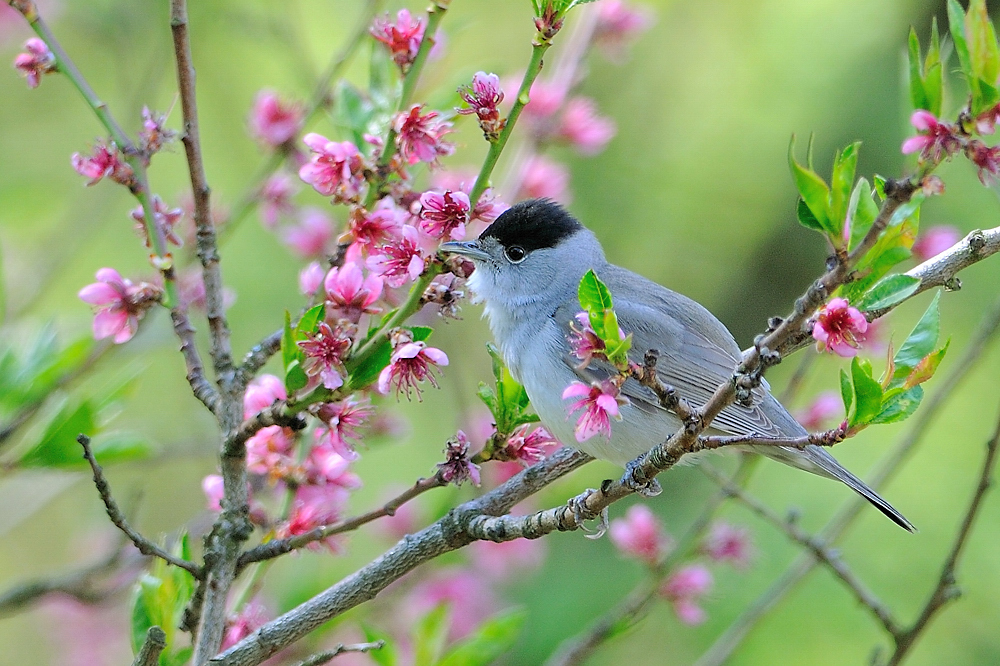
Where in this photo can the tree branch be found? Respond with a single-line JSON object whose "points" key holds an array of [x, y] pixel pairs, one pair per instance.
{"points": [[257, 357], [145, 546], [149, 653], [324, 657]]}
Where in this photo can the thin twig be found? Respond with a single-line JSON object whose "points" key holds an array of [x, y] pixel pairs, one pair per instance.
{"points": [[145, 546], [324, 657], [149, 653], [277, 547], [257, 357]]}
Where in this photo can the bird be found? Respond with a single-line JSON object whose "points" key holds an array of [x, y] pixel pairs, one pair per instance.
{"points": [[528, 267]]}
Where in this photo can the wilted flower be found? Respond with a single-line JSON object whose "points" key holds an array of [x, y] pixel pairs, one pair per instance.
{"points": [[420, 137], [483, 98], [325, 350], [986, 159], [166, 220], [585, 344], [457, 468], [599, 402], [729, 543], [640, 535], [444, 213], [118, 304], [104, 162], [402, 38], [273, 122], [938, 139], [343, 419], [684, 588], [399, 261], [410, 364], [153, 134], [839, 328], [37, 61], [934, 241], [335, 169]]}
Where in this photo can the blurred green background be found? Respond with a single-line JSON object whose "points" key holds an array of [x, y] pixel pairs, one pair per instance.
{"points": [[693, 192]]}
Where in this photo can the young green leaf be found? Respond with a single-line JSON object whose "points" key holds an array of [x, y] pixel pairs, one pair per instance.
{"points": [[806, 217], [918, 97], [813, 190], [493, 638], [595, 299], [982, 43], [57, 445], [867, 393], [863, 211], [926, 368], [846, 392], [844, 166], [899, 405], [888, 291], [921, 340], [309, 322], [956, 23], [430, 634]]}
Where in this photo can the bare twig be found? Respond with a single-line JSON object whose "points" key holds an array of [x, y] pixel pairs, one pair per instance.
{"points": [[145, 546], [946, 589], [149, 653], [324, 657], [277, 547], [276, 414], [257, 357]]}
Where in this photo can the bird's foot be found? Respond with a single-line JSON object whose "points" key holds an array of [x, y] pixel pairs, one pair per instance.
{"points": [[578, 505], [635, 480]]}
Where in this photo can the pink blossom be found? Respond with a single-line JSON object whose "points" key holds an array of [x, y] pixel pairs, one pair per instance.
{"points": [[987, 120], [311, 236], [37, 61], [444, 213], [584, 128], [527, 447], [380, 226], [420, 137], [262, 392], [937, 140], [402, 38], [987, 161], [104, 162], [469, 596], [584, 342], [640, 535], [166, 219], [729, 543], [457, 468], [315, 506], [826, 407], [599, 402], [483, 98], [276, 198], [350, 294], [310, 278], [273, 122], [488, 208], [542, 178], [326, 465], [507, 559], [118, 304], [683, 590], [343, 419], [251, 617], [839, 328], [618, 23], [934, 241], [153, 134], [269, 452], [213, 489], [399, 261], [410, 364], [325, 350], [191, 289], [335, 169]]}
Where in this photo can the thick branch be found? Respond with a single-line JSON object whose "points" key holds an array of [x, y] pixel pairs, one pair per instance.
{"points": [[145, 546]]}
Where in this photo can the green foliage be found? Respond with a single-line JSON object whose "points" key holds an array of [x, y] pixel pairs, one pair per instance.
{"points": [[559, 7], [494, 637], [430, 635], [976, 44], [888, 291], [927, 77], [826, 208], [159, 599], [861, 211], [892, 247], [595, 299], [508, 402]]}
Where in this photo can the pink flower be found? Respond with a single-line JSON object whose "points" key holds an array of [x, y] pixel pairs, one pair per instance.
{"points": [[191, 289], [640, 535], [987, 120], [273, 122], [531, 447], [419, 137], [619, 23], [310, 278], [335, 169], [839, 328], [934, 241], [153, 134], [343, 420], [166, 219], [584, 128], [381, 225], [457, 468], [350, 294], [104, 161], [987, 161], [269, 452], [118, 304], [311, 236], [826, 407], [251, 617], [444, 214], [276, 198], [402, 38], [507, 559], [324, 352], [488, 208], [542, 178], [938, 140], [469, 596], [684, 588], [262, 392], [483, 98], [37, 61], [325, 464], [584, 342], [212, 487], [599, 402], [729, 543], [411, 363], [315, 506], [399, 261]]}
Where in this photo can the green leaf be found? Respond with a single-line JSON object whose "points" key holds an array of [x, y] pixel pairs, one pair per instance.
{"points": [[430, 634], [982, 42], [295, 377], [353, 112], [806, 218], [309, 322], [888, 292], [289, 350], [496, 360], [595, 299], [846, 391], [366, 373], [921, 340], [812, 189], [918, 97], [489, 397], [885, 261], [844, 166], [144, 609], [386, 655], [900, 406], [879, 182], [867, 393], [926, 368], [57, 446], [864, 210], [496, 635]]}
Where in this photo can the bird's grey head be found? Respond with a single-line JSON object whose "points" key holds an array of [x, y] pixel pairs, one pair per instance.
{"points": [[534, 253]]}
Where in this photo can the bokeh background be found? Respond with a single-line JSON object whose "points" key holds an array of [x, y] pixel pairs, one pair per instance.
{"points": [[692, 192]]}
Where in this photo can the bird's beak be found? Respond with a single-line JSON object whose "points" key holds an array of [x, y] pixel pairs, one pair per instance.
{"points": [[468, 249]]}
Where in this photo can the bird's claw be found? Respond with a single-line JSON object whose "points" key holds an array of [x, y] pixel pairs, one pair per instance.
{"points": [[578, 505], [635, 480]]}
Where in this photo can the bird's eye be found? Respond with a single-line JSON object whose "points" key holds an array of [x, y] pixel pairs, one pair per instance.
{"points": [[515, 253]]}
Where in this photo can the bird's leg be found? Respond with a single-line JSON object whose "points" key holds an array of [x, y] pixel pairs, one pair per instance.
{"points": [[635, 479], [578, 505]]}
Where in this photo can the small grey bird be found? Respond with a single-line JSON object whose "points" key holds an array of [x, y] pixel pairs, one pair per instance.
{"points": [[529, 263]]}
